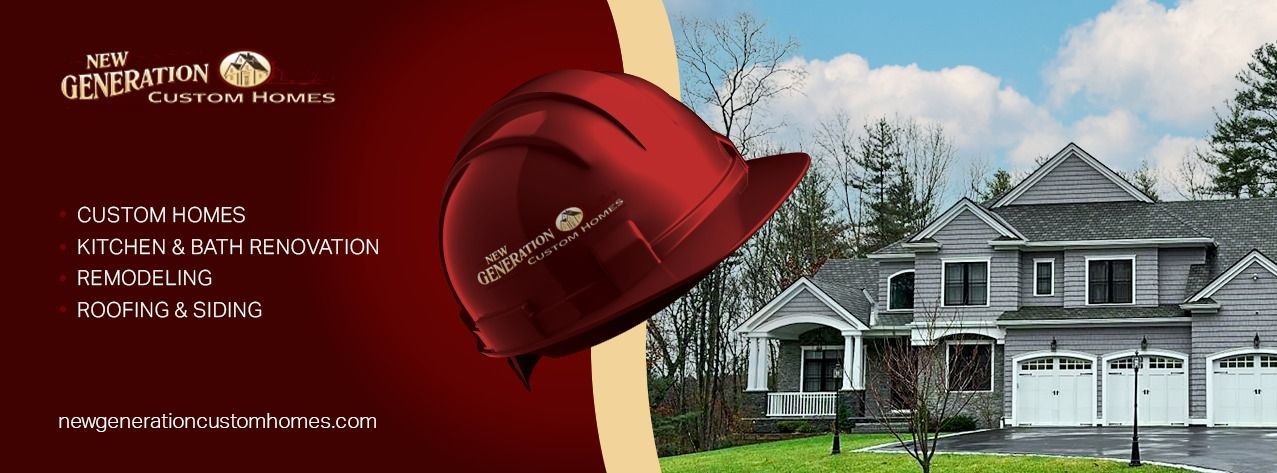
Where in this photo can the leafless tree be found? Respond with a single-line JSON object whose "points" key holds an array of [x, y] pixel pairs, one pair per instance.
{"points": [[1194, 177], [928, 385], [734, 68], [836, 142], [731, 70], [930, 154], [979, 169]]}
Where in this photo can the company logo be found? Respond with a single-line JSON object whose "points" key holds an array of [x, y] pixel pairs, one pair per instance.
{"points": [[245, 69], [568, 219], [111, 74]]}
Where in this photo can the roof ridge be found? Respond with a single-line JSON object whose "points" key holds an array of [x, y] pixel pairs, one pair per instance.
{"points": [[1182, 220]]}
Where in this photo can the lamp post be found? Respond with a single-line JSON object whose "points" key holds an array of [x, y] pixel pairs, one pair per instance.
{"points": [[1135, 415]]}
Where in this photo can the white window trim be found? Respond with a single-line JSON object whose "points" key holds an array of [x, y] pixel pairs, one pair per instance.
{"points": [[993, 355], [802, 365], [1036, 261], [988, 279], [889, 298], [1086, 270]]}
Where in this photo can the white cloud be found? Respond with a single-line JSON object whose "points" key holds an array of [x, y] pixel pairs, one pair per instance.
{"points": [[1117, 138], [1171, 64], [976, 109], [1165, 157]]}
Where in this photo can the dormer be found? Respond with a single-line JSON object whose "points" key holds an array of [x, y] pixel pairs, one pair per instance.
{"points": [[1072, 176]]}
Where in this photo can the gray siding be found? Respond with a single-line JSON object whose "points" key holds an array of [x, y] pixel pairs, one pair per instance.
{"points": [[1172, 272], [1097, 341], [1073, 181], [885, 270], [1248, 306], [805, 303], [968, 237], [1027, 283], [1146, 275]]}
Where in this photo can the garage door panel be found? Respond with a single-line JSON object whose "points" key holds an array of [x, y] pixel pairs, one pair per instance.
{"points": [[1047, 395], [1162, 391], [1244, 390]]}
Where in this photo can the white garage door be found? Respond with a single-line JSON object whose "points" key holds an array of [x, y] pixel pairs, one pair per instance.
{"points": [[1163, 391], [1244, 390], [1055, 390]]}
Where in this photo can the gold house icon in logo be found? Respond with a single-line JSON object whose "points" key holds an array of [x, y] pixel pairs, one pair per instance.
{"points": [[245, 69], [568, 219]]}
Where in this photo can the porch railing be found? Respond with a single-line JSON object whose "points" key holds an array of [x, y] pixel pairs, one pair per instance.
{"points": [[802, 404]]}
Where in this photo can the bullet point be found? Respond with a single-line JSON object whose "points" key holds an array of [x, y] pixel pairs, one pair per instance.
{"points": [[62, 277], [62, 246], [62, 309], [62, 214]]}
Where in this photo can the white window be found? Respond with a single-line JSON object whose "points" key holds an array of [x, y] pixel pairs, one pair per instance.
{"points": [[1040, 364], [1268, 361], [1110, 280], [1162, 362], [1074, 364], [965, 283], [1044, 276], [1122, 364], [969, 366], [1244, 361], [900, 291]]}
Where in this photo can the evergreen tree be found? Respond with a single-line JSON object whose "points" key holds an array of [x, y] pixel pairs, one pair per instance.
{"points": [[879, 158], [1243, 146], [1145, 180], [996, 186]]}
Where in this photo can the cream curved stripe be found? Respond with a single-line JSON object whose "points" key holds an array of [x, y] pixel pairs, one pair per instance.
{"points": [[619, 366]]}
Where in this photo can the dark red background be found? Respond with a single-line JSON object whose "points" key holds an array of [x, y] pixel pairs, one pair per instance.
{"points": [[342, 335]]}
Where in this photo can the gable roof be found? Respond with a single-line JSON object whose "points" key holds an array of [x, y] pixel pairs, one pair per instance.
{"points": [[1254, 257], [1072, 150], [804, 284], [967, 205]]}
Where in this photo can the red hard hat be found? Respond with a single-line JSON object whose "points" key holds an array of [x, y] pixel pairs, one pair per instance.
{"points": [[584, 202]]}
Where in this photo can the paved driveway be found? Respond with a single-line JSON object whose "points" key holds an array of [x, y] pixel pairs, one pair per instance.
{"points": [[1237, 450]]}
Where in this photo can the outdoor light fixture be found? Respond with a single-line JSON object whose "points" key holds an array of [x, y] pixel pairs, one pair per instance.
{"points": [[1054, 344], [1144, 344], [1135, 414], [1256, 339]]}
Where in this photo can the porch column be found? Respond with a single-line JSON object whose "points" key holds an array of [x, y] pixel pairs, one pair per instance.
{"points": [[848, 362], [752, 370], [764, 362], [854, 348]]}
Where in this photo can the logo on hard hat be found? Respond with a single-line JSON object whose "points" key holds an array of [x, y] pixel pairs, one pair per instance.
{"points": [[568, 219], [245, 69]]}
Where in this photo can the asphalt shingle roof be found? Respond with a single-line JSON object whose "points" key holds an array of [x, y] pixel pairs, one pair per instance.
{"points": [[1237, 225], [849, 298], [859, 273], [1096, 221], [1065, 313], [894, 319]]}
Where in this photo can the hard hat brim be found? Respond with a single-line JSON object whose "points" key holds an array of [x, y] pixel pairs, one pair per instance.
{"points": [[735, 219]]}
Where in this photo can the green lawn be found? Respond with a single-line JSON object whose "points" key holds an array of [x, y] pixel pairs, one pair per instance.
{"points": [[812, 455]]}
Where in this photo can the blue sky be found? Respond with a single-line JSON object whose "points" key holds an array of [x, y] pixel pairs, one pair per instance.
{"points": [[1130, 81]]}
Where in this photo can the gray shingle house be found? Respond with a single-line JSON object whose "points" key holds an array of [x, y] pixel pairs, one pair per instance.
{"points": [[1057, 284]]}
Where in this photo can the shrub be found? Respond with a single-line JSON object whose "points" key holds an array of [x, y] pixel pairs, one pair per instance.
{"points": [[791, 426], [960, 423]]}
